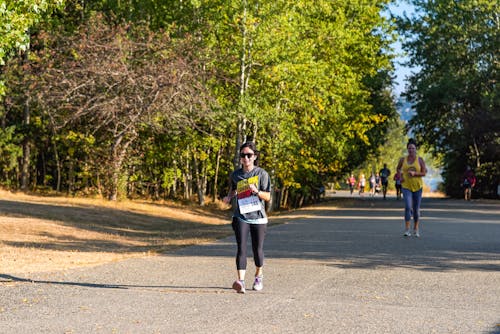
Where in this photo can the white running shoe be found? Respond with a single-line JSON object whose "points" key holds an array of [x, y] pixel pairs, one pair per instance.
{"points": [[258, 284], [407, 233]]}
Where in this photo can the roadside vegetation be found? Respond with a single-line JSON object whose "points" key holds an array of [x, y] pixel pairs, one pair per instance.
{"points": [[150, 100]]}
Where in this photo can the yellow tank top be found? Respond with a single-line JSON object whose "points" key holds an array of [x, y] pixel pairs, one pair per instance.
{"points": [[413, 183]]}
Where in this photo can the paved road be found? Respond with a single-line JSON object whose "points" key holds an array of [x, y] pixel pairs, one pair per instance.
{"points": [[329, 270]]}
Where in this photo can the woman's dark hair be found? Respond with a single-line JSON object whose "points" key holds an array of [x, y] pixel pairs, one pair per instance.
{"points": [[251, 145], [411, 141]]}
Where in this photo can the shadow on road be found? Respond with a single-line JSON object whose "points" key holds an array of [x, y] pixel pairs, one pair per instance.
{"points": [[5, 278], [368, 233], [344, 232]]}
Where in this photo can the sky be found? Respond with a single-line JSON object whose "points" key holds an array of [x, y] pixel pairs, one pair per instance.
{"points": [[401, 71]]}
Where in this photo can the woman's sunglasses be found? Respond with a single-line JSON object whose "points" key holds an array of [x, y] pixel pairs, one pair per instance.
{"points": [[247, 155]]}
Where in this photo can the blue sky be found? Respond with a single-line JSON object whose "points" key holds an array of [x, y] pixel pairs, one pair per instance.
{"points": [[401, 71]]}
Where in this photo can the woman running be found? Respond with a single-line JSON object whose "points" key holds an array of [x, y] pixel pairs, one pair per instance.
{"points": [[251, 186]]}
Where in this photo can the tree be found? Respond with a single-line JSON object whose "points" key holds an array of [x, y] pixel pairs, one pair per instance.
{"points": [[16, 19], [456, 93], [326, 79], [110, 82], [167, 91]]}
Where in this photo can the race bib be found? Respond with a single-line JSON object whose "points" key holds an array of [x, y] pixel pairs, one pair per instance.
{"points": [[247, 201]]}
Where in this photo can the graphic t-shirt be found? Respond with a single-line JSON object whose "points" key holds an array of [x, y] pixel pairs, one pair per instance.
{"points": [[250, 207]]}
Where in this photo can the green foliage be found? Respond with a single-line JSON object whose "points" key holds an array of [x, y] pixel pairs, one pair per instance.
{"points": [[308, 81], [456, 92], [10, 151], [317, 85], [17, 17], [170, 177]]}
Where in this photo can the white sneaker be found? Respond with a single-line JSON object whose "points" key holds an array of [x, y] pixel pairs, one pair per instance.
{"points": [[416, 234], [407, 233], [258, 284]]}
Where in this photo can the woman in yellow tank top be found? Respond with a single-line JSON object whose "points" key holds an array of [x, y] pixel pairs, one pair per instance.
{"points": [[411, 169]]}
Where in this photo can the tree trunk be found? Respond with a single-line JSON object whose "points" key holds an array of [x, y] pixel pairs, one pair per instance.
{"points": [[25, 175], [284, 197], [239, 142], [216, 177], [255, 127], [71, 176], [244, 78], [113, 192], [118, 155], [176, 179], [187, 179], [156, 188], [58, 167], [199, 182], [131, 184], [477, 154], [271, 204]]}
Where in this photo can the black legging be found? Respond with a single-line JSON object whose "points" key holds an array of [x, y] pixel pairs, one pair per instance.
{"points": [[257, 232]]}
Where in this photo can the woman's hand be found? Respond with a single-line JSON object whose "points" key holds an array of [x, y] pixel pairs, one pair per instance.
{"points": [[229, 197], [253, 188], [414, 173]]}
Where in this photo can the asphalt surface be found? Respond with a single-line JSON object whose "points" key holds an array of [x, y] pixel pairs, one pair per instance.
{"points": [[329, 269]]}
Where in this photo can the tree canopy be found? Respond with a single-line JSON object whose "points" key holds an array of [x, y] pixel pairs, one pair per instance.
{"points": [[16, 19], [153, 98], [455, 93]]}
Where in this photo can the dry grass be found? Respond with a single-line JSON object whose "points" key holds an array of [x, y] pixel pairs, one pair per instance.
{"points": [[54, 233]]}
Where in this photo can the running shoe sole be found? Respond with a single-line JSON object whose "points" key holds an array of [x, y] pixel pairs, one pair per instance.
{"points": [[238, 287]]}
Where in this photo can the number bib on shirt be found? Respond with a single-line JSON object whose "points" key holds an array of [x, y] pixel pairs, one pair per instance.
{"points": [[247, 201]]}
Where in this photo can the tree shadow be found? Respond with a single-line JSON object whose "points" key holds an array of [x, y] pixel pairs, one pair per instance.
{"points": [[354, 233], [5, 278], [368, 234], [148, 230]]}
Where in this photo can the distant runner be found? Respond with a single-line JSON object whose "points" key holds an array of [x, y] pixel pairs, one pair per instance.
{"points": [[351, 181], [384, 178], [468, 183]]}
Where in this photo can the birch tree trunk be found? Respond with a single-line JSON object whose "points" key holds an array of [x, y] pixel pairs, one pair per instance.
{"points": [[244, 77], [118, 154], [216, 177]]}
